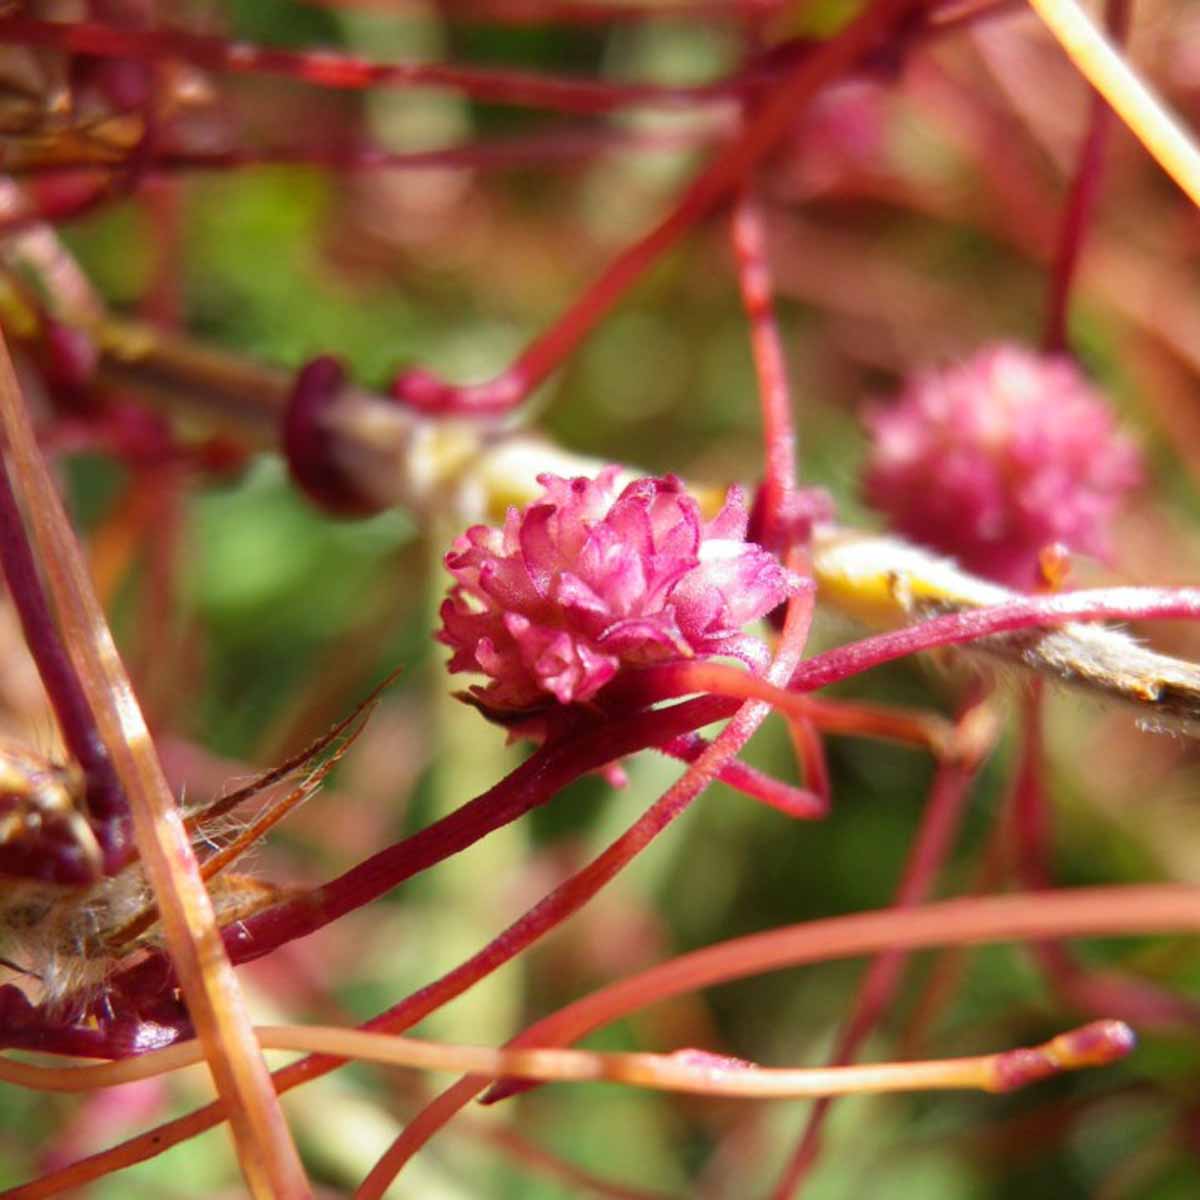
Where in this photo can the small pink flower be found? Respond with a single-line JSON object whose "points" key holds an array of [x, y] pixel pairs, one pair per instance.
{"points": [[585, 581], [996, 459]]}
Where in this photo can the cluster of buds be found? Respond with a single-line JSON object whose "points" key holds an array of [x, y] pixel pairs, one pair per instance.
{"points": [[995, 459], [593, 577]]}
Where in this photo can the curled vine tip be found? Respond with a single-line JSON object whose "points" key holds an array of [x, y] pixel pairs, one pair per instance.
{"points": [[429, 393], [996, 458], [592, 577]]}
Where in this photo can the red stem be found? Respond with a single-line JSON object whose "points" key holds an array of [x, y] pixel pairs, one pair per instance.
{"points": [[950, 964], [1082, 196], [572, 894], [1098, 604], [332, 69], [533, 783], [724, 174], [1084, 912], [810, 751], [93, 191], [1032, 837], [537, 780], [1110, 992], [146, 988], [935, 837], [569, 896], [754, 279], [798, 803], [556, 907]]}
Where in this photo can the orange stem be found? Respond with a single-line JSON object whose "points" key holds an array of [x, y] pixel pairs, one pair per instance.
{"points": [[973, 921]]}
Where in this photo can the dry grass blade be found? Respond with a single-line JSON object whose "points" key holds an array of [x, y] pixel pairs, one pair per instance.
{"points": [[269, 1159], [348, 729], [1108, 72], [271, 815]]}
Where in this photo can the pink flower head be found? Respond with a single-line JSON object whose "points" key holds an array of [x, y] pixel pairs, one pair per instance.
{"points": [[585, 580], [995, 459]]}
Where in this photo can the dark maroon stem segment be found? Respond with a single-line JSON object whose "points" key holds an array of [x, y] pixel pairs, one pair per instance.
{"points": [[105, 798], [532, 784], [307, 445]]}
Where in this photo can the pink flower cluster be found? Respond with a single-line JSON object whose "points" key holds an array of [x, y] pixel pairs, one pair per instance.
{"points": [[995, 459], [585, 580]]}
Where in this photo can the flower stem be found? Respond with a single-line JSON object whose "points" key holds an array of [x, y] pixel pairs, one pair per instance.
{"points": [[966, 921], [571, 895], [797, 803], [671, 680], [533, 783], [537, 780], [949, 966], [1023, 613]]}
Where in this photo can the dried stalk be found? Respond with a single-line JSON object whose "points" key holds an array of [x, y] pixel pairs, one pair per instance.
{"points": [[269, 1159], [1108, 72]]}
